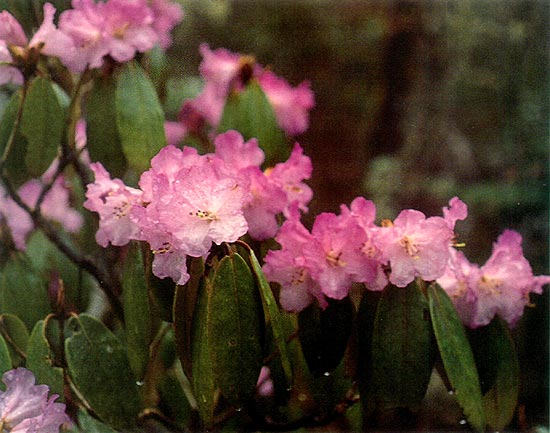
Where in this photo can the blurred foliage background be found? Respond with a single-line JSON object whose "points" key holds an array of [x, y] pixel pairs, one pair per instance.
{"points": [[416, 101]]}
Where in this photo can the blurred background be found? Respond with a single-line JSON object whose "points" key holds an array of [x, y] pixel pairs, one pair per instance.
{"points": [[416, 101]]}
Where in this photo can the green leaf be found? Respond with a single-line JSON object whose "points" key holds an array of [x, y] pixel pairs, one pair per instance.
{"points": [[185, 301], [102, 137], [202, 378], [5, 358], [43, 124], [88, 424], [457, 356], [15, 163], [234, 329], [16, 336], [324, 334], [22, 292], [497, 363], [139, 117], [137, 312], [48, 260], [99, 368], [273, 316], [250, 113], [403, 350], [40, 360]]}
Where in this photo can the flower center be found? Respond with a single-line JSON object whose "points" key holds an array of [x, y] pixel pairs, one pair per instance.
{"points": [[409, 246]]}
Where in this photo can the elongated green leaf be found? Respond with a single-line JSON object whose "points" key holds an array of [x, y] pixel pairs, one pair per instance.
{"points": [[5, 358], [16, 336], [403, 350], [185, 301], [88, 424], [22, 292], [99, 368], [234, 329], [250, 113], [40, 360], [497, 363], [273, 317], [139, 117], [202, 378], [15, 163], [102, 137], [137, 312], [43, 124], [457, 356]]}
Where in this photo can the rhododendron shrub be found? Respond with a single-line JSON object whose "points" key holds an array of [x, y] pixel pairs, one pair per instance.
{"points": [[160, 275]]}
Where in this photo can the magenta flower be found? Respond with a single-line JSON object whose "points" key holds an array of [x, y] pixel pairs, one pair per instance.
{"points": [[25, 407], [113, 201]]}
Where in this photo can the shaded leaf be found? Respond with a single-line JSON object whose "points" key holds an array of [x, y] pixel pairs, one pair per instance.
{"points": [[250, 113], [202, 377], [273, 316], [99, 368], [43, 124], [15, 163], [40, 360], [5, 358], [137, 312], [102, 137], [457, 356], [403, 350], [324, 334], [185, 301], [139, 117], [16, 335], [234, 329], [22, 292], [497, 363]]}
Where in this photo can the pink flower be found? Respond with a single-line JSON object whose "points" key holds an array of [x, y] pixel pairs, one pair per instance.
{"points": [[265, 383], [48, 39], [414, 246], [364, 256], [289, 175], [118, 28], [288, 267], [500, 287], [291, 105], [113, 201], [55, 206], [25, 407], [166, 15]]}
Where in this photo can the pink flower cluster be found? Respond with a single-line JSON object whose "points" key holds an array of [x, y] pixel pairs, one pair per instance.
{"points": [[56, 206], [186, 201], [26, 408], [347, 248], [350, 247], [499, 287], [90, 31], [225, 72]]}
